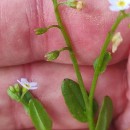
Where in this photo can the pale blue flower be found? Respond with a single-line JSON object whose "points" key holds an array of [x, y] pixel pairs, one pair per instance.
{"points": [[28, 85], [118, 5]]}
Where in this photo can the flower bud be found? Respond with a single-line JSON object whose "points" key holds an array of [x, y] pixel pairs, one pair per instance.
{"points": [[75, 4], [17, 88], [71, 3], [116, 40], [79, 5], [11, 88], [40, 31], [52, 55], [13, 94]]}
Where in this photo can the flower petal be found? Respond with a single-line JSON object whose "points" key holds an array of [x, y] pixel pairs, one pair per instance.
{"points": [[22, 84], [113, 2], [24, 80], [33, 84], [32, 88], [127, 1], [114, 8]]}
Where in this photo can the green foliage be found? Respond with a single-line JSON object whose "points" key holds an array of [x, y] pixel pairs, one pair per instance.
{"points": [[39, 116], [33, 107], [105, 115], [105, 62], [74, 99]]}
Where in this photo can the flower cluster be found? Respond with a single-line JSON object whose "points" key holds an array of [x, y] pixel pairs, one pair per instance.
{"points": [[119, 5]]}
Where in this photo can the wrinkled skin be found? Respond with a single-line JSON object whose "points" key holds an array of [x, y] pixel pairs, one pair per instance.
{"points": [[22, 55]]}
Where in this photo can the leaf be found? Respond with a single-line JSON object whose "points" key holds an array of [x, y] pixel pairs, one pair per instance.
{"points": [[25, 101], [74, 100], [105, 62], [105, 115], [39, 116]]}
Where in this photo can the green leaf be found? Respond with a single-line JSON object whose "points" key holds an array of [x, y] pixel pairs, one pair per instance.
{"points": [[74, 100], [105, 62], [39, 116], [105, 115], [25, 101]]}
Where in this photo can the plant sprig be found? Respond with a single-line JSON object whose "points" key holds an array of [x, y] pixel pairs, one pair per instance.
{"points": [[81, 103]]}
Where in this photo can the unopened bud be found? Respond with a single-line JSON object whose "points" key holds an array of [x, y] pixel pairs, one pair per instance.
{"points": [[52, 55], [79, 5], [116, 40], [12, 89], [40, 31], [74, 4], [17, 88]]}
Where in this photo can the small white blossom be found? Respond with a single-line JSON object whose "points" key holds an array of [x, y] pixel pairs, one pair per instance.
{"points": [[118, 5], [28, 85], [116, 40]]}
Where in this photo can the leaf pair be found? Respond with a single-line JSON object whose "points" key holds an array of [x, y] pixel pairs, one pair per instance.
{"points": [[74, 100]]}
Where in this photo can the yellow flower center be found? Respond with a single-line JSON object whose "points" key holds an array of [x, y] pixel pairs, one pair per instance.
{"points": [[121, 3]]}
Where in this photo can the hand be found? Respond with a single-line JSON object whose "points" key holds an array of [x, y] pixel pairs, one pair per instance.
{"points": [[22, 55]]}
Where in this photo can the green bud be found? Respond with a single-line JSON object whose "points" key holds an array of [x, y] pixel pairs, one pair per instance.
{"points": [[71, 3], [40, 31], [13, 94], [17, 88], [24, 91], [52, 55], [12, 89]]}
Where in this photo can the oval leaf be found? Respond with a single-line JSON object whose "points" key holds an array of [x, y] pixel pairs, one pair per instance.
{"points": [[105, 115], [74, 99], [105, 62], [39, 116]]}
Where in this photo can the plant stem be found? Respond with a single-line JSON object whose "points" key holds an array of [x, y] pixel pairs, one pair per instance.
{"points": [[71, 52], [53, 26], [97, 70]]}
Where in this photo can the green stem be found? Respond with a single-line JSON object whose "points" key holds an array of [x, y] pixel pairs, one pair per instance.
{"points": [[97, 71], [65, 48], [72, 55], [54, 26]]}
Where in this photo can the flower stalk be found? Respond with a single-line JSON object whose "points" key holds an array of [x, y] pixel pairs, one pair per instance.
{"points": [[120, 17], [71, 52]]}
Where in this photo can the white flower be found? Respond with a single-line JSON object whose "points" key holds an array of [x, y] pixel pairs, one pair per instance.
{"points": [[28, 85], [118, 5], [116, 40]]}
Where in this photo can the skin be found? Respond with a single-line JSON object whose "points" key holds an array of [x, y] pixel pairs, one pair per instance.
{"points": [[22, 55]]}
